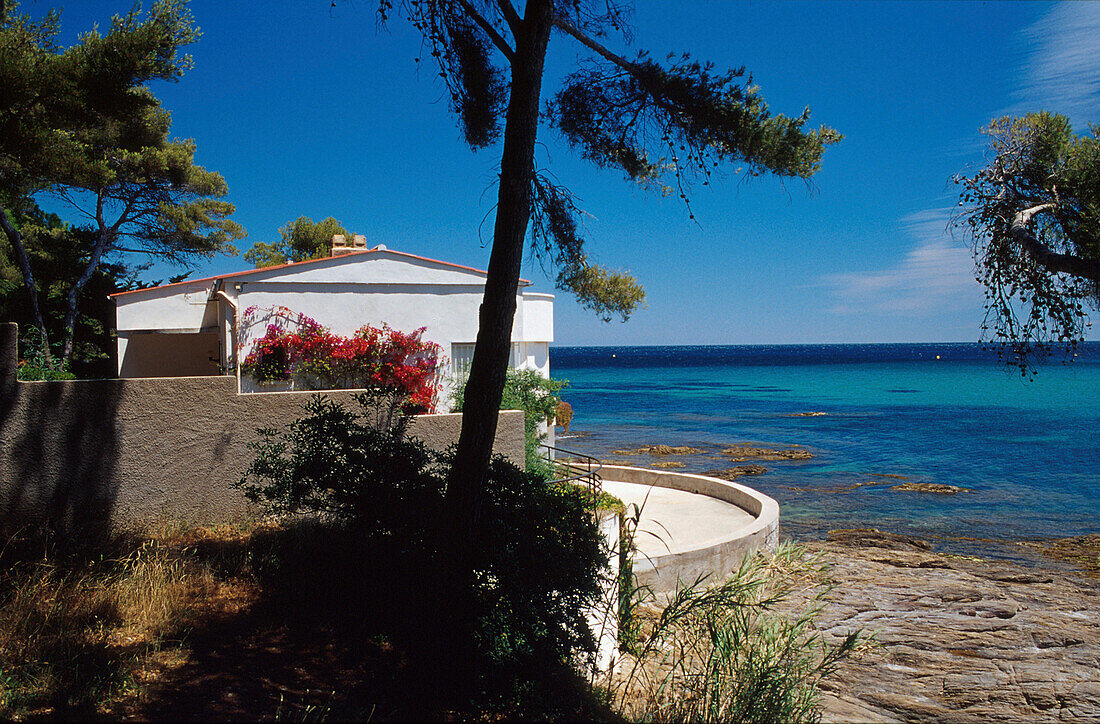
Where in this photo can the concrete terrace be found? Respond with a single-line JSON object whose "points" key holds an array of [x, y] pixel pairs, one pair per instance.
{"points": [[676, 521], [691, 525]]}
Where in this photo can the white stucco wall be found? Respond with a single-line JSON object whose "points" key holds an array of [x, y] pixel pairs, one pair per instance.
{"points": [[342, 293], [168, 355], [372, 267], [175, 307], [448, 312], [538, 317]]}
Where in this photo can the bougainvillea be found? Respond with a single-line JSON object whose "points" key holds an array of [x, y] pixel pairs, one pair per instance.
{"points": [[373, 358]]}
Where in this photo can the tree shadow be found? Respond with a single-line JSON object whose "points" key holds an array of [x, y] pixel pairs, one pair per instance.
{"points": [[338, 632], [60, 448], [342, 630]]}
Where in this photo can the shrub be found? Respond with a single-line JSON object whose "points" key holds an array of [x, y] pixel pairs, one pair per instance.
{"points": [[536, 395], [37, 365], [537, 554], [725, 653]]}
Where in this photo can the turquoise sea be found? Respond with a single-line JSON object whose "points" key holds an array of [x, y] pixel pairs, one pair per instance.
{"points": [[1027, 449]]}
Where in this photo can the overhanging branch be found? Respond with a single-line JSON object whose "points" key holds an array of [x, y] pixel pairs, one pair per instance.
{"points": [[568, 28], [1044, 255]]}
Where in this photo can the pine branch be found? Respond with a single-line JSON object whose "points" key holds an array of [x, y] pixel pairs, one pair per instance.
{"points": [[497, 38], [1044, 255]]}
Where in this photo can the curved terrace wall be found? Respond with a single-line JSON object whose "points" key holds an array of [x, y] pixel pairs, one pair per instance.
{"points": [[720, 556]]}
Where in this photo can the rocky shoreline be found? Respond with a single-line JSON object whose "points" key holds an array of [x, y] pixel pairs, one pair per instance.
{"points": [[957, 638]]}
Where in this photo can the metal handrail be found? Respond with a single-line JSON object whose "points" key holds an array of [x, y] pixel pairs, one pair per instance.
{"points": [[588, 470]]}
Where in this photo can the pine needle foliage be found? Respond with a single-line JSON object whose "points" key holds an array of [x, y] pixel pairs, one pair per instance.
{"points": [[1033, 215]]}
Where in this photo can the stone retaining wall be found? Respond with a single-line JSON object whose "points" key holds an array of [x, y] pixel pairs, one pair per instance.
{"points": [[96, 455]]}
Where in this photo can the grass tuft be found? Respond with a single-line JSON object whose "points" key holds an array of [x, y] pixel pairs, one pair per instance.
{"points": [[726, 652]]}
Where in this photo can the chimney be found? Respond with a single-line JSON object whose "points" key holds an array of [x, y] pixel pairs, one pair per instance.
{"points": [[341, 245]]}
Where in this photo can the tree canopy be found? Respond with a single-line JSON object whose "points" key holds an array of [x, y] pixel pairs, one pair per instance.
{"points": [[299, 240], [1033, 213], [80, 124]]}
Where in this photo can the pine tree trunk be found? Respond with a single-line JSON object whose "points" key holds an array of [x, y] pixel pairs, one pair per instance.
{"points": [[16, 241], [485, 385], [73, 299]]}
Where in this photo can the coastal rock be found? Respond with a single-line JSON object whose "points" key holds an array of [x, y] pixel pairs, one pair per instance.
{"points": [[958, 639], [939, 488], [807, 414], [737, 472], [738, 453], [659, 450], [873, 538], [668, 464], [1084, 550]]}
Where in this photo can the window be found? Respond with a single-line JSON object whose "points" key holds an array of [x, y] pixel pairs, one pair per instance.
{"points": [[462, 354]]}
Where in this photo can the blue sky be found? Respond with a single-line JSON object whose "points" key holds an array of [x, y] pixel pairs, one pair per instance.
{"points": [[313, 112]]}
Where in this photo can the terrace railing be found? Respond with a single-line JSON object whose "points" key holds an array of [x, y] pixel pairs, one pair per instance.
{"points": [[577, 468]]}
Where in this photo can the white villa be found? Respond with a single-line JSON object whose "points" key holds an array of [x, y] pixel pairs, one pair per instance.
{"points": [[194, 327]]}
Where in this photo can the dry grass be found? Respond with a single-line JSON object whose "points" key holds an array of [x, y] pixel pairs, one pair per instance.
{"points": [[80, 630]]}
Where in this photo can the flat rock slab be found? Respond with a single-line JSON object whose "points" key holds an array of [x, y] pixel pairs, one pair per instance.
{"points": [[674, 521], [960, 639]]}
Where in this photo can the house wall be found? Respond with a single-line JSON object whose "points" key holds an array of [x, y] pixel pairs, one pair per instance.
{"points": [[98, 455], [177, 307], [372, 267], [450, 313], [538, 317]]}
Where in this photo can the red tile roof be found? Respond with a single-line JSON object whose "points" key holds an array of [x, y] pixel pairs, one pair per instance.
{"points": [[308, 261]]}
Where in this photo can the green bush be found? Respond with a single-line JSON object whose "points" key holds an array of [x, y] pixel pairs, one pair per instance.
{"points": [[379, 495], [727, 652], [537, 396], [37, 365]]}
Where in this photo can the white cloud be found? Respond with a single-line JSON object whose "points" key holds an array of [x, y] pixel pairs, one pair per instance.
{"points": [[934, 276], [1061, 71]]}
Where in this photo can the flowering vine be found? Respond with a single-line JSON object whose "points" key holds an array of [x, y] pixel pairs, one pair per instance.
{"points": [[372, 358]]}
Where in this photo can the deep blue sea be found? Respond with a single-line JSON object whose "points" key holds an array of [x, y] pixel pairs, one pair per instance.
{"points": [[1027, 448]]}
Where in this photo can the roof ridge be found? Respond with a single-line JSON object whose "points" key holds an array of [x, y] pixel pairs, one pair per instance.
{"points": [[345, 255]]}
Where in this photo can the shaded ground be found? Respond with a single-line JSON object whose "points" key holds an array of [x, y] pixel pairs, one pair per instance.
{"points": [[248, 666]]}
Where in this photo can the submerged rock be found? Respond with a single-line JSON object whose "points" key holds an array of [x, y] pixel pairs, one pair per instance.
{"points": [[807, 414], [939, 488], [737, 472], [659, 450], [1084, 550], [737, 453], [874, 538]]}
